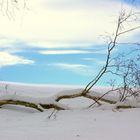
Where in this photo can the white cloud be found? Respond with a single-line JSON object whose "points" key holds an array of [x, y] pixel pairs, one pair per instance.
{"points": [[7, 59], [60, 44], [81, 51], [5, 42], [97, 61], [57, 52], [62, 20], [76, 68]]}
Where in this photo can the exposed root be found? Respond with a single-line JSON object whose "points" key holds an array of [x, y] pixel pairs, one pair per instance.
{"points": [[67, 96], [55, 106], [22, 103], [124, 107]]}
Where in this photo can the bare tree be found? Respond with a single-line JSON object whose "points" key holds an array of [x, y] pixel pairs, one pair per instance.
{"points": [[127, 68], [120, 30], [11, 7]]}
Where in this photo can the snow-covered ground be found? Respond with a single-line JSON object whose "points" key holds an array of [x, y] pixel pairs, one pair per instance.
{"points": [[99, 123]]}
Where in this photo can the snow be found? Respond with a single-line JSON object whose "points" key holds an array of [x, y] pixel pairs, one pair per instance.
{"points": [[80, 123]]}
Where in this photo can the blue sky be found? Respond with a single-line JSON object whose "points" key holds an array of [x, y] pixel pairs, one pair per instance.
{"points": [[59, 41]]}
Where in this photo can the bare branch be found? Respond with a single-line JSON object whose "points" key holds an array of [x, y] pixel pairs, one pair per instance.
{"points": [[123, 18], [132, 29]]}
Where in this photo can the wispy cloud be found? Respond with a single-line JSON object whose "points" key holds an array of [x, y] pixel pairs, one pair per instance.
{"points": [[63, 20], [97, 61], [6, 42], [74, 51], [7, 59], [76, 68], [59, 52], [10, 45], [60, 44]]}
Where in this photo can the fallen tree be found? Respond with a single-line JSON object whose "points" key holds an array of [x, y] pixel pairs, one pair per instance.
{"points": [[41, 104]]}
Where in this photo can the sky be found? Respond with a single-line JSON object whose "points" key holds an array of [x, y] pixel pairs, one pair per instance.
{"points": [[58, 41]]}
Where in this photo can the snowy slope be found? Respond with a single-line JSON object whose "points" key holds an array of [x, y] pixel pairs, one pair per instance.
{"points": [[102, 123]]}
